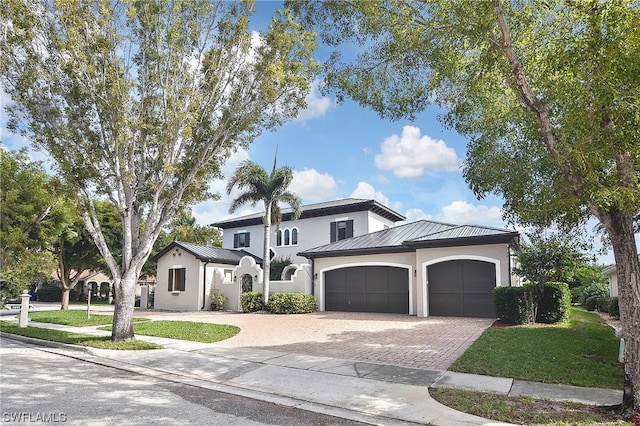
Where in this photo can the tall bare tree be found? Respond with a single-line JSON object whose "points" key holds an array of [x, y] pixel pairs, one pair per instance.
{"points": [[140, 102]]}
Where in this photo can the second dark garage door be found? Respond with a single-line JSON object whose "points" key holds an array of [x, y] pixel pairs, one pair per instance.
{"points": [[462, 288], [367, 289]]}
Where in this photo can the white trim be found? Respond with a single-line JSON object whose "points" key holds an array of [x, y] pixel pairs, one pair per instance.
{"points": [[425, 275], [408, 267]]}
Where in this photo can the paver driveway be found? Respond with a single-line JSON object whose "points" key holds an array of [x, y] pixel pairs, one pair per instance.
{"points": [[428, 343]]}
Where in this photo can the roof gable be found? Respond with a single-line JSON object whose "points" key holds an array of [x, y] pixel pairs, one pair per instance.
{"points": [[207, 253]]}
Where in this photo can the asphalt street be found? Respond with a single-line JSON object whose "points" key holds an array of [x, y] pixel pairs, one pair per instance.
{"points": [[40, 387]]}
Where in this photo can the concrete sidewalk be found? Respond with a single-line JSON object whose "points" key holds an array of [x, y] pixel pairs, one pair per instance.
{"points": [[367, 392]]}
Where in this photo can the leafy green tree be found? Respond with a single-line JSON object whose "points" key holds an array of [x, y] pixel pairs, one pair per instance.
{"points": [[185, 228], [139, 103], [75, 250], [547, 259], [547, 92], [33, 211], [270, 189]]}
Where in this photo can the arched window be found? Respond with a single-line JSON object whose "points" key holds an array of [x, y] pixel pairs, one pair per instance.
{"points": [[287, 237], [294, 237], [279, 237]]}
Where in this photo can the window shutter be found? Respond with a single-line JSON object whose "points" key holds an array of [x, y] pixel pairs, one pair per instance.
{"points": [[171, 279], [235, 240], [247, 239], [350, 228], [333, 231], [180, 279]]}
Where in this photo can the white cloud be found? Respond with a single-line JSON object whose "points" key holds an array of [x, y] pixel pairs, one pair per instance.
{"points": [[313, 186], [461, 212], [413, 215], [368, 192], [410, 154], [317, 105]]}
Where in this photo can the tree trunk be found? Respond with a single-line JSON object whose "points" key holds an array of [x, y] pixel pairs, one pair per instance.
{"points": [[123, 309], [266, 258], [64, 303], [619, 226]]}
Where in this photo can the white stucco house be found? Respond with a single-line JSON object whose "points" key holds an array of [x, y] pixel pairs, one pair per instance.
{"points": [[349, 254]]}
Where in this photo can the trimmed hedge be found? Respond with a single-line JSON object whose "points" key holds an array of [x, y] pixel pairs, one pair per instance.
{"points": [[291, 303], [251, 301], [49, 293], [511, 305], [554, 303], [614, 307]]}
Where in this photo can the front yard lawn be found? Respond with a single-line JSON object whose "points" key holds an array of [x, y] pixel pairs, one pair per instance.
{"points": [[581, 352], [185, 330], [100, 342]]}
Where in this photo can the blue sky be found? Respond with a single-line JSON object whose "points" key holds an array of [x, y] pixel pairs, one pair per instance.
{"points": [[345, 150]]}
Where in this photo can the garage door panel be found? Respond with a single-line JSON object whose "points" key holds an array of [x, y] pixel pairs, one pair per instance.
{"points": [[478, 305], [367, 289], [462, 288]]}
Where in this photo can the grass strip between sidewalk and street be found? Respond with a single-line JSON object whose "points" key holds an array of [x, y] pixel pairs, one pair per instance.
{"points": [[100, 342]]}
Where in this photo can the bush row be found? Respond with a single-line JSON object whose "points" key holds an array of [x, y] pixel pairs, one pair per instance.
{"points": [[515, 305], [279, 303]]}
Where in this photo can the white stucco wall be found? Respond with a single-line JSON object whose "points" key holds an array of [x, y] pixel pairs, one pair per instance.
{"points": [[312, 232], [187, 300]]}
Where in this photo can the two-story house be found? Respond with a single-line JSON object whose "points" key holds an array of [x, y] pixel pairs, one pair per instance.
{"points": [[319, 224], [351, 257]]}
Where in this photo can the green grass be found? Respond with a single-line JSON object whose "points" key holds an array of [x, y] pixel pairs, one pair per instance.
{"points": [[74, 317], [185, 330], [523, 410], [101, 342], [581, 352]]}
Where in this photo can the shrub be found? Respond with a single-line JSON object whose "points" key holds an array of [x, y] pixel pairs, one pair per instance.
{"points": [[614, 307], [603, 303], [511, 305], [251, 301], [49, 293], [597, 290], [591, 303], [554, 303], [291, 303], [576, 295]]}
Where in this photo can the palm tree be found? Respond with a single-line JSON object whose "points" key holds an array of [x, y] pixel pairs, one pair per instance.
{"points": [[256, 185]]}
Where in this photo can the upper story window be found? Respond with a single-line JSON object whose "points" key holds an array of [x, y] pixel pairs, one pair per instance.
{"points": [[177, 279], [241, 239], [287, 237], [341, 230]]}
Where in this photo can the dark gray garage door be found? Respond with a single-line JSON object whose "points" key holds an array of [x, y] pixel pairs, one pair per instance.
{"points": [[367, 289], [462, 288]]}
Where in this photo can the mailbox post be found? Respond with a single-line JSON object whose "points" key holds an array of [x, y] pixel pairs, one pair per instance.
{"points": [[24, 309]]}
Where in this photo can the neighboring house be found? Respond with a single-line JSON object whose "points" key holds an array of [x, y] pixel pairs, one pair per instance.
{"points": [[422, 268], [319, 224], [611, 274]]}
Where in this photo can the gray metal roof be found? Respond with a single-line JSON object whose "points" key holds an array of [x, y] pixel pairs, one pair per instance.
{"points": [[327, 208], [208, 253], [410, 236]]}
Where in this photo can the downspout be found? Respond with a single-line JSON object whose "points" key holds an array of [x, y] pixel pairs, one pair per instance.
{"points": [[204, 286]]}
